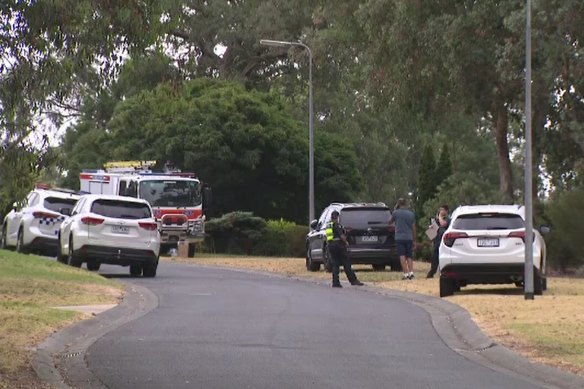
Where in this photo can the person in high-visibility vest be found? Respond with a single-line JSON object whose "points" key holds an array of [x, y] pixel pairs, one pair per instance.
{"points": [[337, 246]]}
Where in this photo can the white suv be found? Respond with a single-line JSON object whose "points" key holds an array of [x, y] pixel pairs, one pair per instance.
{"points": [[34, 226], [484, 244], [111, 229]]}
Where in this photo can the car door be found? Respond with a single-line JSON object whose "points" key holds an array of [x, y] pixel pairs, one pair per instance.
{"points": [[318, 237], [17, 216], [65, 228]]}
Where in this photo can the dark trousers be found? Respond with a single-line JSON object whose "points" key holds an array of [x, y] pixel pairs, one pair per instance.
{"points": [[339, 257], [435, 260]]}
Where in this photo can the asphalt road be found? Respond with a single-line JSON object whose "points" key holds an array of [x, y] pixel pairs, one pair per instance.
{"points": [[216, 328]]}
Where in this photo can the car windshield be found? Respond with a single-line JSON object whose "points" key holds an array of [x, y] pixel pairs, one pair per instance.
{"points": [[488, 221], [171, 193], [56, 204], [364, 217], [121, 209]]}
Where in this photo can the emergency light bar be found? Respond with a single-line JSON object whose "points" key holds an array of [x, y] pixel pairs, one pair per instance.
{"points": [[128, 164]]}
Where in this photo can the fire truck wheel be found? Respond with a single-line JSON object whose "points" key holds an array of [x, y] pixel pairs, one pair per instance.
{"points": [[191, 250]]}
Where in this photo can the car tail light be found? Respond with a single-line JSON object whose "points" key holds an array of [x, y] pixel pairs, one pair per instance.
{"points": [[150, 226], [45, 215], [519, 234], [450, 237], [91, 221]]}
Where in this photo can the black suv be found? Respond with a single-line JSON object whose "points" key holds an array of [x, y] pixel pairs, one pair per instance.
{"points": [[371, 237]]}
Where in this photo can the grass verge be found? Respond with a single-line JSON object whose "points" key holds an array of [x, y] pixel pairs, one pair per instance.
{"points": [[29, 287], [549, 329]]}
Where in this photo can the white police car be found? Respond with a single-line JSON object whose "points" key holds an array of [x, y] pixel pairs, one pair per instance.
{"points": [[34, 225]]}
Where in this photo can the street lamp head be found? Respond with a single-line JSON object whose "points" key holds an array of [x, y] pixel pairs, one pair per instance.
{"points": [[269, 42]]}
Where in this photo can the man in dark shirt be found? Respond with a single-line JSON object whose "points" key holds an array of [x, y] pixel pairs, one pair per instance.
{"points": [[442, 219], [337, 246]]}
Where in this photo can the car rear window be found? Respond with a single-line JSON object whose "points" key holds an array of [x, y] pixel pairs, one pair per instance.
{"points": [[56, 204], [366, 217], [488, 221], [121, 209]]}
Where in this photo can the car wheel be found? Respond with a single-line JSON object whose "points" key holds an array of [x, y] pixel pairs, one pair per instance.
{"points": [[149, 269], [446, 287], [3, 239], [72, 259], [377, 267], [310, 265], [61, 257], [20, 248], [537, 283], [327, 261], [191, 252], [136, 270], [93, 265]]}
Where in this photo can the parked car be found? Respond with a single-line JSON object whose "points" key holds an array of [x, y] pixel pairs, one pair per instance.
{"points": [[114, 230], [485, 244], [371, 238], [34, 225]]}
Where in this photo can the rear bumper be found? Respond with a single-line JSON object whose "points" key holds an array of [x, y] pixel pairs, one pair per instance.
{"points": [[116, 255], [485, 273], [44, 244], [386, 256]]}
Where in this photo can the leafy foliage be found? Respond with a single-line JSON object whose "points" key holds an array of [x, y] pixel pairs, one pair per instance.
{"points": [[236, 232], [242, 143], [565, 245], [282, 239]]}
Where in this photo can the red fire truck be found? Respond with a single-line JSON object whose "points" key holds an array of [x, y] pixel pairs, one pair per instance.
{"points": [[175, 197]]}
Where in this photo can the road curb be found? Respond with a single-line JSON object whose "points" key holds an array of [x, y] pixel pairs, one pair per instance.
{"points": [[63, 353]]}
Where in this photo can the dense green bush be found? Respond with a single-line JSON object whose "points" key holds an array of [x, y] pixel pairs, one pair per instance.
{"points": [[565, 243], [283, 239], [236, 232], [242, 233]]}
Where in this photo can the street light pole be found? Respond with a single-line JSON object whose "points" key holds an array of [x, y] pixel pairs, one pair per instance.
{"points": [[269, 42], [528, 276]]}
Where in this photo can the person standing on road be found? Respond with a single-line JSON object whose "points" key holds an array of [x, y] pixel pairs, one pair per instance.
{"points": [[442, 219], [337, 246], [405, 236]]}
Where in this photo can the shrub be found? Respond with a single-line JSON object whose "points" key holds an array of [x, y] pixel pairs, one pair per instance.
{"points": [[283, 239], [236, 232], [565, 246]]}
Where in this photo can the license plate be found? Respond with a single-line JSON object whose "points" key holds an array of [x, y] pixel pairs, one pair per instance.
{"points": [[120, 230], [368, 238], [488, 242]]}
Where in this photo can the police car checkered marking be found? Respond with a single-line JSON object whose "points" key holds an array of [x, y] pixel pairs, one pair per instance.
{"points": [[49, 221]]}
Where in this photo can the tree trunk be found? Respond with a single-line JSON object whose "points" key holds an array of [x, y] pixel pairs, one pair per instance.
{"points": [[505, 174]]}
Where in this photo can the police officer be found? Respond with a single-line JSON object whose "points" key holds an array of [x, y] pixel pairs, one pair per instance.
{"points": [[337, 246]]}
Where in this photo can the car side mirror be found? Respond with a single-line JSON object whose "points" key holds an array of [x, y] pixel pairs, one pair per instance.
{"points": [[65, 211], [313, 224], [543, 229]]}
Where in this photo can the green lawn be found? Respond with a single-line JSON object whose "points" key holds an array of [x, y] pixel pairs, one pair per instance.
{"points": [[30, 286]]}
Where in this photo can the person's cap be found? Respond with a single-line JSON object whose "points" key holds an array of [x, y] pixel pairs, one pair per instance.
{"points": [[335, 214]]}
